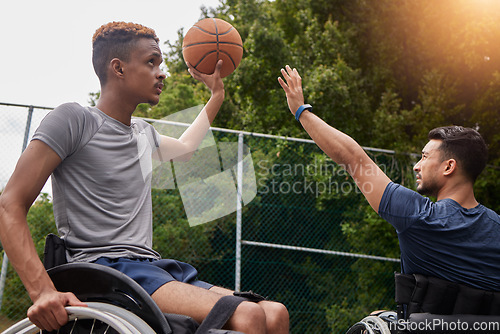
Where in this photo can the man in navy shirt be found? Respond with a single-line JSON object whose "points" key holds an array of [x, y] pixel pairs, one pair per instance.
{"points": [[454, 238]]}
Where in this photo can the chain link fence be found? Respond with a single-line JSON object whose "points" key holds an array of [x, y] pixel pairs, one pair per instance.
{"points": [[304, 235]]}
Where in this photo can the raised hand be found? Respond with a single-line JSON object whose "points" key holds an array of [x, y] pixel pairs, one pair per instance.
{"points": [[292, 88], [212, 81]]}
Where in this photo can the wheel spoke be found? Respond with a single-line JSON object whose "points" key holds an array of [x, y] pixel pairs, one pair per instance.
{"points": [[92, 328], [99, 318], [72, 327]]}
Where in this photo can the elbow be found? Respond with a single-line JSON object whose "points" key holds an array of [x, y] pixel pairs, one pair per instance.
{"points": [[184, 158], [11, 207], [4, 212], [185, 153], [3, 208]]}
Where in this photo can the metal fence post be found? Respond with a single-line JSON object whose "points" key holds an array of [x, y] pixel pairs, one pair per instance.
{"points": [[27, 129], [3, 276], [239, 177], [5, 261]]}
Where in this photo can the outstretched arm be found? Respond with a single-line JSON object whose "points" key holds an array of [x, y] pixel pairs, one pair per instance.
{"points": [[34, 167], [183, 148], [341, 148]]}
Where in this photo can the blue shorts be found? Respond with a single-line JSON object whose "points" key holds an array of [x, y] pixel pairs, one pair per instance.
{"points": [[151, 273]]}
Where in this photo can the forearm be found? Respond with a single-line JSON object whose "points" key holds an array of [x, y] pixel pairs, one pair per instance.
{"points": [[19, 247], [341, 148], [195, 133], [183, 148], [214, 104], [347, 153]]}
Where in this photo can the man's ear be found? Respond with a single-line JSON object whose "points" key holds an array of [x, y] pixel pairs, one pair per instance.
{"points": [[116, 66], [450, 166]]}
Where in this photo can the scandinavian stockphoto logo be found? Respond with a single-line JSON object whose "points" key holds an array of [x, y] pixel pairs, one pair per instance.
{"points": [[207, 182], [318, 177]]}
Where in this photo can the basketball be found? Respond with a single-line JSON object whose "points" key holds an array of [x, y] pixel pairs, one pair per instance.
{"points": [[210, 40]]}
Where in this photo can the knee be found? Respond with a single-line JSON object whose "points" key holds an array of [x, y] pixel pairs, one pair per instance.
{"points": [[249, 318], [277, 318]]}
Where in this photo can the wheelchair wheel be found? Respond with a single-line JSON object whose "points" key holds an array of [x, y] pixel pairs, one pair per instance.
{"points": [[372, 325], [97, 318]]}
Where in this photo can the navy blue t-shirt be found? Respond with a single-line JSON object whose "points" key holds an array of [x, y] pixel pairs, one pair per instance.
{"points": [[443, 239]]}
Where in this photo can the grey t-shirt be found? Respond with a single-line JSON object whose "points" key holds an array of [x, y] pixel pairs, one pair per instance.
{"points": [[102, 188]]}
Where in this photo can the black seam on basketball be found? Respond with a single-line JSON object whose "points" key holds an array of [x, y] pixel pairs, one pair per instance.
{"points": [[217, 36], [203, 58], [227, 32], [208, 32], [230, 58], [213, 34], [201, 43], [231, 43]]}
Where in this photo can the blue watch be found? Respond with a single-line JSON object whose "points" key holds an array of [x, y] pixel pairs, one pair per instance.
{"points": [[301, 109]]}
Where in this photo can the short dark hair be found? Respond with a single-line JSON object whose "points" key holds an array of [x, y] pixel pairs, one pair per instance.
{"points": [[465, 145], [116, 40]]}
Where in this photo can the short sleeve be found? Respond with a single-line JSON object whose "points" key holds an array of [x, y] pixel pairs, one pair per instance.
{"points": [[63, 128], [156, 137], [401, 206], [152, 135]]}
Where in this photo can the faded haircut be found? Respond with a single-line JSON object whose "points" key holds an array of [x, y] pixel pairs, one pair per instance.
{"points": [[116, 40], [465, 145]]}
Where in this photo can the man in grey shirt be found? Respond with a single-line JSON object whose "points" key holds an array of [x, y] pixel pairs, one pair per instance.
{"points": [[101, 188], [100, 160]]}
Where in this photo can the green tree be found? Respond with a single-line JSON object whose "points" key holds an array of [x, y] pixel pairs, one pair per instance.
{"points": [[384, 72]]}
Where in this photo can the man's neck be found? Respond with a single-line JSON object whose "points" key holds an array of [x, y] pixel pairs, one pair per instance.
{"points": [[120, 111], [460, 192], [116, 107]]}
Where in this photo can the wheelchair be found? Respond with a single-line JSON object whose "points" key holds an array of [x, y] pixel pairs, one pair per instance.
{"points": [[429, 305], [116, 303]]}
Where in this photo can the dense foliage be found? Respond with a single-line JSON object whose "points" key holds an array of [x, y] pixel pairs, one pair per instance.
{"points": [[384, 72]]}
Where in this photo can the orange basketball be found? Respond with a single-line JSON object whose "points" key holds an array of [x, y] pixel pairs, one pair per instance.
{"points": [[210, 40]]}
